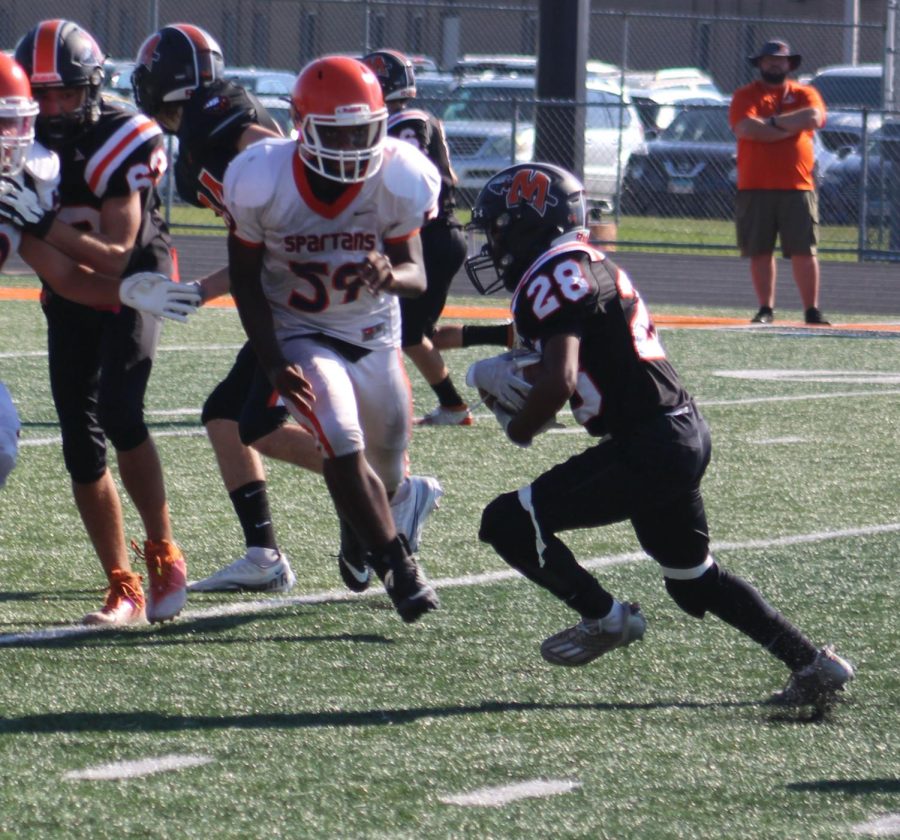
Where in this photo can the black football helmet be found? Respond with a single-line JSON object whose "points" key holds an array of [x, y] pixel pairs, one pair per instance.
{"points": [[394, 72], [173, 63], [60, 54], [522, 211]]}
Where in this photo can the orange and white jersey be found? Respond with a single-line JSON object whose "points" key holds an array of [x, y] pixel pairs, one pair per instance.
{"points": [[312, 249], [41, 173]]}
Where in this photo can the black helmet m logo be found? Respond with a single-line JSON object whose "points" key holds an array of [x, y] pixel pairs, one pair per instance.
{"points": [[531, 186]]}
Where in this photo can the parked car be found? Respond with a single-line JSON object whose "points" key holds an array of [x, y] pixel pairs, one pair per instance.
{"points": [[117, 78], [691, 168], [839, 190], [490, 124], [849, 90], [263, 81]]}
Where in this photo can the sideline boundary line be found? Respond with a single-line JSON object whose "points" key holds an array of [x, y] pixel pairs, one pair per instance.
{"points": [[502, 312]]}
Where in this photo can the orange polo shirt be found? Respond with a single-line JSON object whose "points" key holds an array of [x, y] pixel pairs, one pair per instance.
{"points": [[786, 164]]}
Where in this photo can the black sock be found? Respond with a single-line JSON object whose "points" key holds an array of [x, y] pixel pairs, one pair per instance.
{"points": [[742, 606], [447, 394], [251, 504], [498, 334]]}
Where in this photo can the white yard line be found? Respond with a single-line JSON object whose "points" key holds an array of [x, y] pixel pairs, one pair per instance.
{"points": [[275, 603], [495, 797], [887, 825], [135, 769]]}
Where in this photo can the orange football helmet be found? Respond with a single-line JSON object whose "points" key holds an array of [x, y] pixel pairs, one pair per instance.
{"points": [[17, 115], [341, 120]]}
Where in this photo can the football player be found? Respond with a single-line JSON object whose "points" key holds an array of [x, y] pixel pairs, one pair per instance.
{"points": [[443, 242], [324, 237], [178, 81], [100, 358], [600, 352]]}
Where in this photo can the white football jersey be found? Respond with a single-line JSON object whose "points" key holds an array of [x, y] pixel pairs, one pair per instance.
{"points": [[312, 249], [41, 173]]}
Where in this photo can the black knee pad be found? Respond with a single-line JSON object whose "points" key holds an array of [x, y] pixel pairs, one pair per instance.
{"points": [[222, 404], [698, 595], [123, 425]]}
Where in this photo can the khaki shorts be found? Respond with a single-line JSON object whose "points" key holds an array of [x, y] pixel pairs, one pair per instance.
{"points": [[792, 215]]}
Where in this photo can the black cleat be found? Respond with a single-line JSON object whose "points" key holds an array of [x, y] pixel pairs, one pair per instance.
{"points": [[353, 561], [405, 582], [813, 315], [765, 315]]}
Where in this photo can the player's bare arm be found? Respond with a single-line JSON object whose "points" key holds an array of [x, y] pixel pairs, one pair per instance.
{"points": [[551, 389], [400, 270], [109, 249], [245, 272]]}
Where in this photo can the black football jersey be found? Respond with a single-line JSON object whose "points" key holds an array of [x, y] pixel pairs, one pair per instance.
{"points": [[120, 154], [211, 126], [426, 133], [624, 377]]}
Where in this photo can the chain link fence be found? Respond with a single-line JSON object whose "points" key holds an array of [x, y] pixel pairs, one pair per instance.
{"points": [[658, 155]]}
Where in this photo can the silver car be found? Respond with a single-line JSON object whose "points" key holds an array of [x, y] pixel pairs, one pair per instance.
{"points": [[490, 125]]}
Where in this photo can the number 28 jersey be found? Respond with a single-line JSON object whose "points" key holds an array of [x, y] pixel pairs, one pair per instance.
{"points": [[624, 377], [312, 249]]}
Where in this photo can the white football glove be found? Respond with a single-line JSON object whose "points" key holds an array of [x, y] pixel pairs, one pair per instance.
{"points": [[21, 207], [158, 295], [499, 377]]}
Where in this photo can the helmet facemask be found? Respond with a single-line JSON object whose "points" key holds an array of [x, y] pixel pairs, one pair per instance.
{"points": [[17, 118], [347, 146]]}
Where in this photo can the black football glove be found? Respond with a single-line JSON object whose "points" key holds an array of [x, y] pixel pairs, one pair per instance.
{"points": [[21, 207]]}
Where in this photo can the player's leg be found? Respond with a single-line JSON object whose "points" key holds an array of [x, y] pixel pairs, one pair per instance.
{"points": [[523, 526], [672, 528], [358, 493], [444, 249], [74, 359], [262, 567], [128, 345]]}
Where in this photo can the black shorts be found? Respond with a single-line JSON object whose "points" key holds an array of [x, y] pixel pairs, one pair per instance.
{"points": [[246, 397], [100, 363], [650, 477], [444, 249]]}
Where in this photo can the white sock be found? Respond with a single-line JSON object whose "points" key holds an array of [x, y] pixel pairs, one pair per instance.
{"points": [[613, 621]]}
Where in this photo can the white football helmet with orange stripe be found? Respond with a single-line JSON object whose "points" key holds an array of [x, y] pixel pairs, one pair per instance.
{"points": [[17, 114], [60, 54], [339, 113]]}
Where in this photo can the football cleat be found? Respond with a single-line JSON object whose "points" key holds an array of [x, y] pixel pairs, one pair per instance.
{"points": [[259, 570], [587, 640], [353, 561], [444, 416], [167, 576], [413, 510], [406, 585], [814, 315], [817, 683], [124, 602]]}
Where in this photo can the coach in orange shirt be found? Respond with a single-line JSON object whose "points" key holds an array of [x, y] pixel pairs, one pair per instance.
{"points": [[774, 119]]}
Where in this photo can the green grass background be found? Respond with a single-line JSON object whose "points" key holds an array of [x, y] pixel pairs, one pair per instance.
{"points": [[336, 720]]}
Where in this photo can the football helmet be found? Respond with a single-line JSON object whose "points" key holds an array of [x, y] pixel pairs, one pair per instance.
{"points": [[174, 62], [60, 54], [17, 114], [394, 72], [522, 211], [338, 111]]}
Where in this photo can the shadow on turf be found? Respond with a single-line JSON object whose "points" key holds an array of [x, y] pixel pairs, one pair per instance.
{"points": [[188, 633], [157, 722], [855, 787]]}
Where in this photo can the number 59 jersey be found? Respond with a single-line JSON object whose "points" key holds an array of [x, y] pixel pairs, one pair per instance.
{"points": [[624, 377], [313, 249]]}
